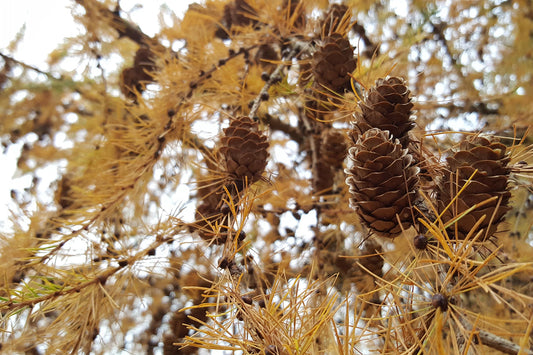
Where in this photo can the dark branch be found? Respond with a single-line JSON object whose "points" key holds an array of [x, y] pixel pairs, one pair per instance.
{"points": [[123, 27]]}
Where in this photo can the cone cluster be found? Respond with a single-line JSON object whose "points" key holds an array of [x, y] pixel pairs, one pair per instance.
{"points": [[490, 159], [386, 106], [245, 151], [332, 63], [383, 182]]}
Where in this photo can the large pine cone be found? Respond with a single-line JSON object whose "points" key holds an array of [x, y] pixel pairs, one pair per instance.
{"points": [[387, 106], [490, 160], [245, 151], [333, 62], [383, 182]]}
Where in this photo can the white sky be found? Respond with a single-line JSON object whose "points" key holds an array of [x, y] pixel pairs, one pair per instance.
{"points": [[47, 23]]}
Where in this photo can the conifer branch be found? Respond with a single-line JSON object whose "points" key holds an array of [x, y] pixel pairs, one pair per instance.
{"points": [[123, 27], [494, 341]]}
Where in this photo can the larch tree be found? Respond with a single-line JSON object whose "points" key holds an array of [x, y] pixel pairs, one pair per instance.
{"points": [[273, 177]]}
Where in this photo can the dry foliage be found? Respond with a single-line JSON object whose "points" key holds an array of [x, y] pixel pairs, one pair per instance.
{"points": [[273, 177]]}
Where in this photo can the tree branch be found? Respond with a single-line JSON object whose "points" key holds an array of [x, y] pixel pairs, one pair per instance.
{"points": [[123, 27], [276, 124], [496, 342], [27, 66]]}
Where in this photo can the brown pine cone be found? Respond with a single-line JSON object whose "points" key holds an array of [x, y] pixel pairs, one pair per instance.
{"points": [[209, 219], [334, 147], [387, 106], [371, 258], [383, 182], [335, 17], [323, 178], [131, 82], [332, 63], [245, 151], [490, 159], [144, 60]]}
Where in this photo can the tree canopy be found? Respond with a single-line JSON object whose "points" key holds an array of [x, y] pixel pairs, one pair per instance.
{"points": [[273, 177]]}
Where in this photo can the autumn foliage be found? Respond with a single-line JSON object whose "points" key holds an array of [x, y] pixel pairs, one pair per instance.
{"points": [[273, 177]]}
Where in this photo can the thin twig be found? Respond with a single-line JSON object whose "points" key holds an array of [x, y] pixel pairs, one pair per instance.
{"points": [[495, 342], [28, 66]]}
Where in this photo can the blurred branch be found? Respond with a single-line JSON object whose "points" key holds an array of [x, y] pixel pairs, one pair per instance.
{"points": [[123, 27], [482, 108], [438, 30], [27, 66], [496, 342], [371, 48], [276, 124]]}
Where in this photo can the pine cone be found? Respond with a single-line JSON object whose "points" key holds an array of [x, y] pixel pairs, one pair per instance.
{"points": [[371, 258], [387, 106], [333, 62], [383, 182], [490, 160], [323, 178], [334, 147], [131, 82], [334, 18], [144, 60], [208, 219], [245, 152]]}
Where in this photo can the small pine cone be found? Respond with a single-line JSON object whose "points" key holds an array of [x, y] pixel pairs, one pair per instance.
{"points": [[323, 178], [144, 59], [491, 179], [131, 82], [383, 182], [387, 106], [208, 218], [334, 147], [245, 151], [332, 63], [371, 258], [334, 18]]}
